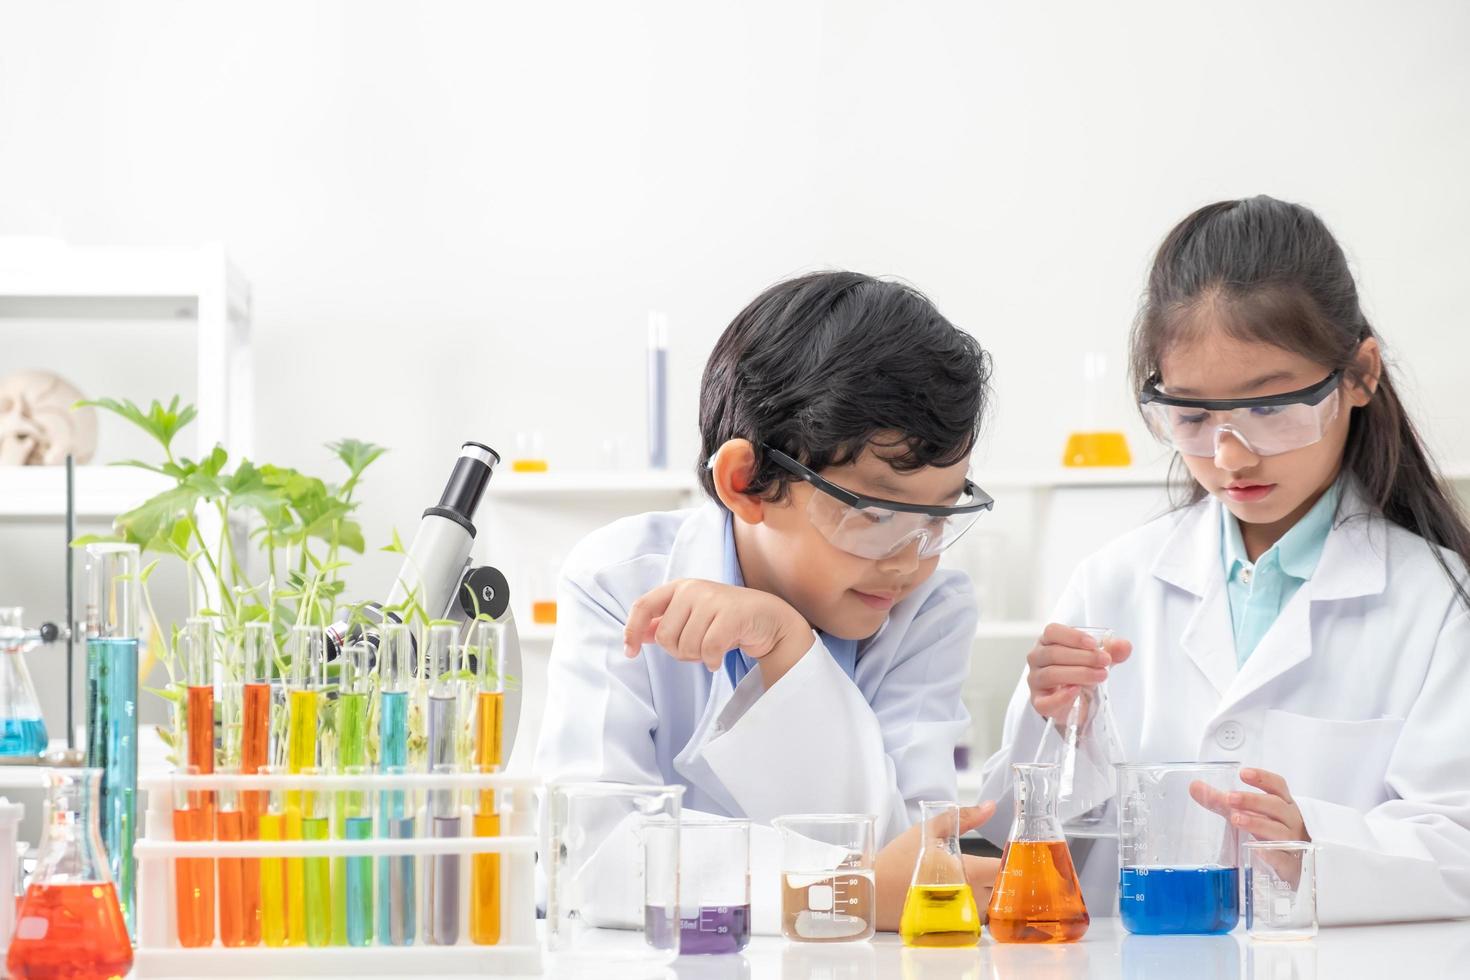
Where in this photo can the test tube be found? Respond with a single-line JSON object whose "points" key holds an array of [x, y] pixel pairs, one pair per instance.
{"points": [[239, 878], [441, 884], [397, 903], [112, 703], [278, 926], [395, 680], [259, 654], [316, 824], [488, 648], [307, 650], [193, 877], [353, 693], [356, 807], [443, 704]]}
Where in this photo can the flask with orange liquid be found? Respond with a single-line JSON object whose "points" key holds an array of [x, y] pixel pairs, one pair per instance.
{"points": [[70, 923], [1037, 898]]}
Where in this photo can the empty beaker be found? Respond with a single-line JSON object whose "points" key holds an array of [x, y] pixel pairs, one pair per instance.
{"points": [[22, 730], [940, 907], [1036, 898], [714, 883], [827, 878], [612, 899], [70, 923], [1178, 860], [1280, 889], [1085, 746]]}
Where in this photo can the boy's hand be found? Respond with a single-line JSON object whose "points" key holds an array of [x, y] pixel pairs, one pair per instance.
{"points": [[894, 867], [1065, 660], [697, 620]]}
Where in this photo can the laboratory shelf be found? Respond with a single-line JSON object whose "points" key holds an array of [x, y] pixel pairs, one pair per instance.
{"points": [[101, 491], [509, 485], [536, 633]]}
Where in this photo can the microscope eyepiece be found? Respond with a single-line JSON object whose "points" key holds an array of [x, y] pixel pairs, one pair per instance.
{"points": [[466, 486]]}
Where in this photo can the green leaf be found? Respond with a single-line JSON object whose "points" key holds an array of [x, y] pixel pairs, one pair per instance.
{"points": [[356, 455], [396, 547], [87, 539], [147, 571], [154, 516], [159, 422]]}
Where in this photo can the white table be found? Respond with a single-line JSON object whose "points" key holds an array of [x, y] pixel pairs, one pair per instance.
{"points": [[1396, 952]]}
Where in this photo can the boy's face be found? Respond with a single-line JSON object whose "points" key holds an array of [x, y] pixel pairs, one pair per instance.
{"points": [[838, 592]]}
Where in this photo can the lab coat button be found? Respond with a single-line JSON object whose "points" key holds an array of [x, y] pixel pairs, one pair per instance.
{"points": [[1230, 735], [1246, 573]]}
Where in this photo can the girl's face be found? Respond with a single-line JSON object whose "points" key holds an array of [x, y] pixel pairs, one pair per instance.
{"points": [[1269, 492]]}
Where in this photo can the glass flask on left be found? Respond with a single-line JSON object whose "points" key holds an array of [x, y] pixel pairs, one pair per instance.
{"points": [[22, 730], [70, 923]]}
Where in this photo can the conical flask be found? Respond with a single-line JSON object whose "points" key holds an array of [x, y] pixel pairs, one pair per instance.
{"points": [[1037, 898], [1085, 747], [940, 908], [70, 923], [22, 731]]}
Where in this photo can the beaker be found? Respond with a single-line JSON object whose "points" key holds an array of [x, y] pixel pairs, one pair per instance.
{"points": [[1036, 898], [608, 866], [1280, 889], [70, 922], [939, 909], [827, 879], [1085, 746], [1178, 861], [22, 730], [713, 909], [1098, 442]]}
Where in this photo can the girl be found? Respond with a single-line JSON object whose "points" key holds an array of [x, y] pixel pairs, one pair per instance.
{"points": [[1306, 612]]}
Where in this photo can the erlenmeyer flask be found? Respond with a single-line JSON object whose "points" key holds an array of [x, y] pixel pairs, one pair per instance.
{"points": [[70, 923], [22, 731], [940, 907], [1037, 898], [1085, 747]]}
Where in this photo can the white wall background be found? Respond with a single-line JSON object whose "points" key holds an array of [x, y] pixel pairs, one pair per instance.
{"points": [[455, 215]]}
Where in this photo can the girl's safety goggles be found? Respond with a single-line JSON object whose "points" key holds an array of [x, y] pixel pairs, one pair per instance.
{"points": [[1267, 425], [870, 527]]}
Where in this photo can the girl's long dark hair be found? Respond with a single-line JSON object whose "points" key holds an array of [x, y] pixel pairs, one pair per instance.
{"points": [[1270, 271]]}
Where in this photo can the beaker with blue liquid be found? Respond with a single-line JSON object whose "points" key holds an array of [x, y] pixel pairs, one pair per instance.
{"points": [[1178, 854]]}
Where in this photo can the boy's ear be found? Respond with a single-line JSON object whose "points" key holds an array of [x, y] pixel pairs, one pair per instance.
{"points": [[733, 469], [1368, 366]]}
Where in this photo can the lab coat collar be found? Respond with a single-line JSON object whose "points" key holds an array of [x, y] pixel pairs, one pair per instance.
{"points": [[697, 551], [1353, 561]]}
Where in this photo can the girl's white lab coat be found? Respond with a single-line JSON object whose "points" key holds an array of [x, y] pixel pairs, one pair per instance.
{"points": [[1359, 695], [816, 742]]}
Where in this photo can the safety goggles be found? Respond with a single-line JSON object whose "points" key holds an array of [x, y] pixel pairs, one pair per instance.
{"points": [[1266, 426], [871, 527]]}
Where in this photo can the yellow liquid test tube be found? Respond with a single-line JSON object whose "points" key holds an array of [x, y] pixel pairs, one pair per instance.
{"points": [[487, 645], [281, 923], [306, 648]]}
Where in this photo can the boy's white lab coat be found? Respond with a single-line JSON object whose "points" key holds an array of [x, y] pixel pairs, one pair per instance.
{"points": [[1359, 695], [816, 742]]}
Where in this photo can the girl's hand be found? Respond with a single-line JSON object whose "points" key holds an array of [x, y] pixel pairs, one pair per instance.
{"points": [[1268, 815], [700, 621], [1065, 660], [894, 867]]}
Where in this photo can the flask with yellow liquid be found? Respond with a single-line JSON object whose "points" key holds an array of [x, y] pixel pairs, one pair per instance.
{"points": [[1095, 444], [940, 908]]}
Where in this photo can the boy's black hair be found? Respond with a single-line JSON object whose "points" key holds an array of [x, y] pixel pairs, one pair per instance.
{"points": [[821, 365]]}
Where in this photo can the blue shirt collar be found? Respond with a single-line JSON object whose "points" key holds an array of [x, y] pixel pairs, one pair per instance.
{"points": [[1299, 549], [737, 664]]}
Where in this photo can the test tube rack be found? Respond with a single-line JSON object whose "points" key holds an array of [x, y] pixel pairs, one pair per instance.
{"points": [[158, 953]]}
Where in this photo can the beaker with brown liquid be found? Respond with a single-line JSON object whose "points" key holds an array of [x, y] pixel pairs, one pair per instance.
{"points": [[1037, 898]]}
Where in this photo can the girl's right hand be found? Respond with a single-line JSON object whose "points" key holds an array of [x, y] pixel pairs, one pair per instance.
{"points": [[1065, 660]]}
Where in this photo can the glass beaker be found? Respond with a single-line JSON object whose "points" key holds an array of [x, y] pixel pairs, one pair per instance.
{"points": [[1096, 444], [1085, 746], [22, 730], [70, 922], [827, 878], [608, 866], [1036, 898], [1178, 861], [1280, 889], [713, 908], [940, 907]]}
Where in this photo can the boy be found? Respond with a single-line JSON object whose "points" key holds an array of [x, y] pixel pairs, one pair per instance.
{"points": [[792, 648]]}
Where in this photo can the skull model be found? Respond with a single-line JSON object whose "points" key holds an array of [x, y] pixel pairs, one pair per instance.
{"points": [[37, 423]]}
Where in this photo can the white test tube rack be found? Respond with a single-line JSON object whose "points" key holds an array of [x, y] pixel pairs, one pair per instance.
{"points": [[158, 953]]}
